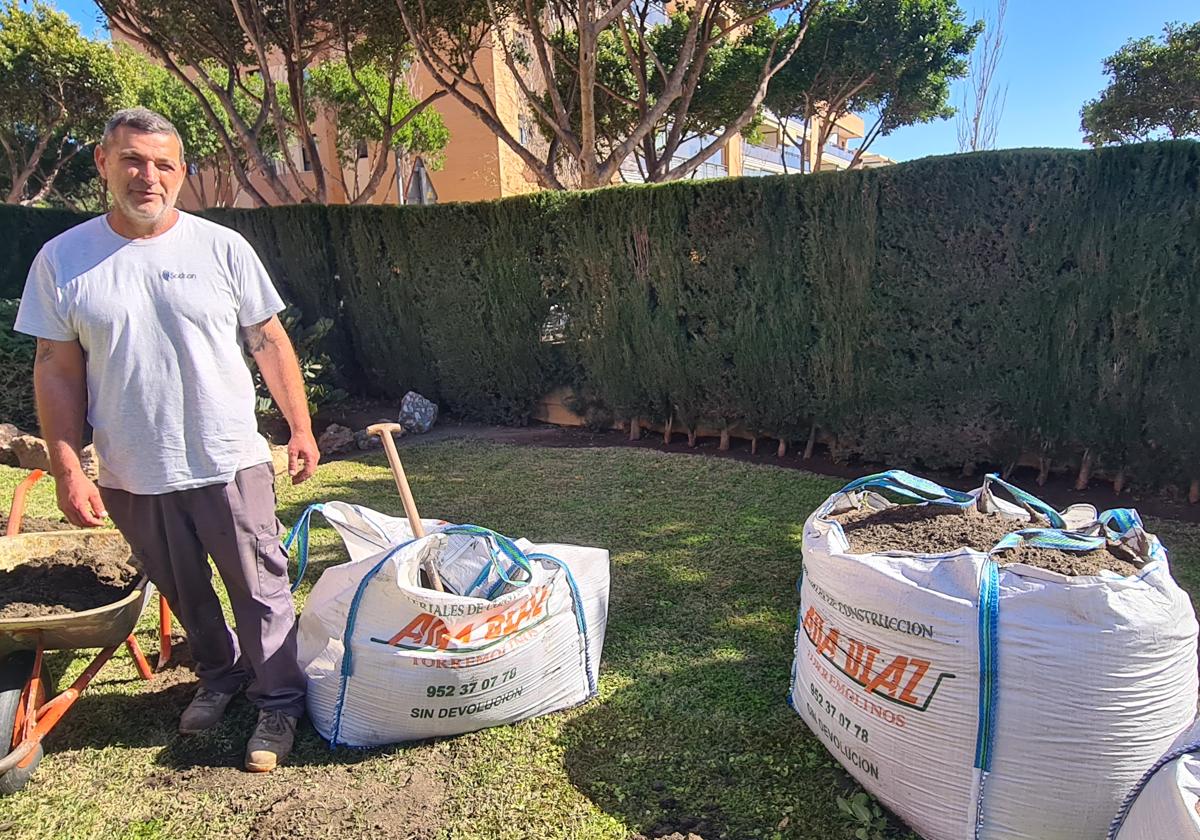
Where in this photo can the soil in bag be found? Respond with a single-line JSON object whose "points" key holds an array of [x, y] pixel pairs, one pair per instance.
{"points": [[69, 580], [1071, 563], [924, 529]]}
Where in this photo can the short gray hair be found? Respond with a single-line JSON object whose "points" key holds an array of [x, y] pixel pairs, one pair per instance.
{"points": [[141, 119]]}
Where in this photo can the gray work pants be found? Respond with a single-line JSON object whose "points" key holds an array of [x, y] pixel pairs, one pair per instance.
{"points": [[173, 534]]}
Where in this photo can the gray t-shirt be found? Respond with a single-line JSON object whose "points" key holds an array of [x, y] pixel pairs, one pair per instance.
{"points": [[170, 398]]}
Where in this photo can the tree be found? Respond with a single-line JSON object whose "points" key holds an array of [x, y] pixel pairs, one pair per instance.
{"points": [[595, 110], [1153, 90], [729, 79], [363, 102], [152, 86], [892, 58], [983, 103], [222, 54], [57, 88]]}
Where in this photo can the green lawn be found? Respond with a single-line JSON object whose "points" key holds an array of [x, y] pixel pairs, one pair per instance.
{"points": [[691, 731]]}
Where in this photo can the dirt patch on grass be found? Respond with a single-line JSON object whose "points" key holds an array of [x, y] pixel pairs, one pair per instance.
{"points": [[924, 529], [326, 802], [337, 805], [70, 580], [1071, 563]]}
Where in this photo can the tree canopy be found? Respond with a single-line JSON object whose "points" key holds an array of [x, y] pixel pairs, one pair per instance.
{"points": [[222, 53], [1153, 90], [894, 59], [57, 88]]}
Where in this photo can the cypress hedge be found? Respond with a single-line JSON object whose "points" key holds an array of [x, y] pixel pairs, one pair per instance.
{"points": [[940, 313]]}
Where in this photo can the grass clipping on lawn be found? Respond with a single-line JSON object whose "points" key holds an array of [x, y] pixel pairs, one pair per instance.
{"points": [[940, 529]]}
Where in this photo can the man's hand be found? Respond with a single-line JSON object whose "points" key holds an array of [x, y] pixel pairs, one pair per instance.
{"points": [[79, 500], [303, 455]]}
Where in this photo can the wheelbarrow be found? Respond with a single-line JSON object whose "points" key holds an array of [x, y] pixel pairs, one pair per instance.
{"points": [[27, 712]]}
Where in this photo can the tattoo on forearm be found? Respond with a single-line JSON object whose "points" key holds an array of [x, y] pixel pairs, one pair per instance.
{"points": [[45, 349], [255, 337]]}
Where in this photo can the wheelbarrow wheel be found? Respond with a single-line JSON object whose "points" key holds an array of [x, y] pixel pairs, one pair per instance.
{"points": [[14, 673]]}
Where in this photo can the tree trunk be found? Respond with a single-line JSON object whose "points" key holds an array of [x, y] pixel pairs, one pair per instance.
{"points": [[692, 438], [754, 445], [812, 442], [1119, 481], [1043, 471], [782, 450], [724, 444], [635, 429], [667, 428], [587, 94], [1194, 492], [1085, 471]]}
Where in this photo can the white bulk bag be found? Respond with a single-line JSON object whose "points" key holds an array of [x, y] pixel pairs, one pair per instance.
{"points": [[984, 702], [1166, 802], [389, 660]]}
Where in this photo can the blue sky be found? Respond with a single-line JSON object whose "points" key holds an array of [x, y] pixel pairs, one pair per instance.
{"points": [[1051, 64]]}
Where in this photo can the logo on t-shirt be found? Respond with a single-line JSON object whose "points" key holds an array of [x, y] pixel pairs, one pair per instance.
{"points": [[177, 275]]}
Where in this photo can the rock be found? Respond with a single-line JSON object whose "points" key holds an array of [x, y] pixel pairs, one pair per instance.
{"points": [[7, 432], [279, 459], [335, 439], [90, 461], [417, 414], [32, 452], [364, 440]]}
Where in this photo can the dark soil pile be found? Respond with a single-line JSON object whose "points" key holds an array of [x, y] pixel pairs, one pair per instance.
{"points": [[33, 524], [924, 529], [1067, 562], [67, 581]]}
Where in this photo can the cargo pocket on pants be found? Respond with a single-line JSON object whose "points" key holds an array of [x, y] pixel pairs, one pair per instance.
{"points": [[272, 563]]}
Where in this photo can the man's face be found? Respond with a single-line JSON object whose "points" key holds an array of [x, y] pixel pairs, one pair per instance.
{"points": [[144, 172]]}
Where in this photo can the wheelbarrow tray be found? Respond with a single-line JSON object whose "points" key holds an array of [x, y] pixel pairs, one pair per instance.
{"points": [[100, 627]]}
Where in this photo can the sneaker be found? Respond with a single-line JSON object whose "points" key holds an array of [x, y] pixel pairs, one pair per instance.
{"points": [[271, 741], [204, 712]]}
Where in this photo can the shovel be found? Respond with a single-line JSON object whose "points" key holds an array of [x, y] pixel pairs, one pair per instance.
{"points": [[385, 431]]}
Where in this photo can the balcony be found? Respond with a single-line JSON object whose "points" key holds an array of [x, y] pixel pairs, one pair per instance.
{"points": [[775, 156], [838, 152]]}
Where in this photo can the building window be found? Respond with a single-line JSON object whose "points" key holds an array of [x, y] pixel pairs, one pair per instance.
{"points": [[420, 188], [362, 149], [523, 130]]}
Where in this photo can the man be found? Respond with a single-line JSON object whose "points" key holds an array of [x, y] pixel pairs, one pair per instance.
{"points": [[139, 315]]}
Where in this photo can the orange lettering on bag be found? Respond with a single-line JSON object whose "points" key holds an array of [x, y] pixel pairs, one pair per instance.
{"points": [[415, 631], [828, 646], [920, 667], [889, 678]]}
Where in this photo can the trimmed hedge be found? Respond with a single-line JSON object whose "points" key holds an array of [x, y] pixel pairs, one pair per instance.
{"points": [[938, 313]]}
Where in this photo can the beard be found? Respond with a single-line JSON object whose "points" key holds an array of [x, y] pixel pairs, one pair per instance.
{"points": [[141, 212]]}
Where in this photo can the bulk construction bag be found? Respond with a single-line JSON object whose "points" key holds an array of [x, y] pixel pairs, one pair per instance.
{"points": [[981, 701], [1166, 801], [519, 632]]}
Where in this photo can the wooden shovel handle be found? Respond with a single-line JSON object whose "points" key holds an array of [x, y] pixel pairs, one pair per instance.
{"points": [[385, 431]]}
